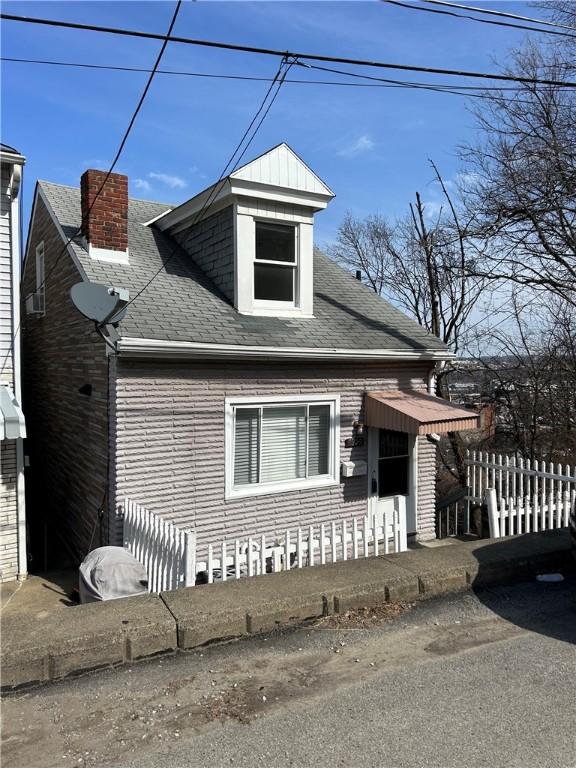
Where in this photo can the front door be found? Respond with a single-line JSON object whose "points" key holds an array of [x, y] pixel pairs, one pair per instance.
{"points": [[389, 478]]}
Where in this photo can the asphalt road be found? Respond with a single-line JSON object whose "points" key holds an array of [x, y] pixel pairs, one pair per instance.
{"points": [[477, 679]]}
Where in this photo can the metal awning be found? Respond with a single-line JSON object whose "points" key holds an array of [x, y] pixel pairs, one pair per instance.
{"points": [[12, 424], [416, 413]]}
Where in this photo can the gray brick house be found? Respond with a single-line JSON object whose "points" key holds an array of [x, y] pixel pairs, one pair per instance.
{"points": [[252, 385]]}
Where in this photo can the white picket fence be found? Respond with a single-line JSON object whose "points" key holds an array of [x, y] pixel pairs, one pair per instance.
{"points": [[521, 495], [168, 553], [304, 547]]}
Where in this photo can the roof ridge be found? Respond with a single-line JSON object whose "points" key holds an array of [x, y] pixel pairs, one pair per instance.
{"points": [[130, 199]]}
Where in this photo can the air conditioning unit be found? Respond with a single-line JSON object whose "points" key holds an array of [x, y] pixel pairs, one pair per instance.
{"points": [[35, 303]]}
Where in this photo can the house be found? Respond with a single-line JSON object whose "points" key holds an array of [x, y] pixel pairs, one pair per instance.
{"points": [[252, 384], [13, 560]]}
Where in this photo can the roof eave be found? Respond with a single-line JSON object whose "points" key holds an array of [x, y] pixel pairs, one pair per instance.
{"points": [[166, 349], [10, 157]]}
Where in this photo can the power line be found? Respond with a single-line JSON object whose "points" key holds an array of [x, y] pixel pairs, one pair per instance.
{"points": [[481, 21], [121, 146], [377, 82], [503, 14], [219, 76], [262, 112], [286, 54], [456, 90], [112, 166]]}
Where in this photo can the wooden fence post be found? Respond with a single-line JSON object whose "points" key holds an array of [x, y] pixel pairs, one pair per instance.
{"points": [[190, 559], [492, 505]]}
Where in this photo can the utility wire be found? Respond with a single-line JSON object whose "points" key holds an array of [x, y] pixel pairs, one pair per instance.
{"points": [[456, 91], [234, 161], [503, 14], [120, 148], [377, 82], [286, 54], [481, 21], [219, 76], [110, 170]]}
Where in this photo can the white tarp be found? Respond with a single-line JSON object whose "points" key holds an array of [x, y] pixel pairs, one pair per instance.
{"points": [[12, 424], [108, 573]]}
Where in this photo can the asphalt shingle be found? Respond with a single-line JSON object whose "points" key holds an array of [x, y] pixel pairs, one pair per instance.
{"points": [[182, 304]]}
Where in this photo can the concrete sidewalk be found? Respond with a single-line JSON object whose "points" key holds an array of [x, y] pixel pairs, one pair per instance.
{"points": [[87, 637]]}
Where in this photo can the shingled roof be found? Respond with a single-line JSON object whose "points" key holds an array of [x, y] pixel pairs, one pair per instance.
{"points": [[182, 305]]}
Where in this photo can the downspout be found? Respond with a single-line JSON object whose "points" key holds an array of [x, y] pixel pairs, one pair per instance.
{"points": [[110, 533], [432, 381]]}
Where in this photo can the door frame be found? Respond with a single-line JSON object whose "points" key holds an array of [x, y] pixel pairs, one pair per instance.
{"points": [[412, 497]]}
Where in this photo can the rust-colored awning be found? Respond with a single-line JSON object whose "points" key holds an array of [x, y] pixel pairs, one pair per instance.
{"points": [[416, 413]]}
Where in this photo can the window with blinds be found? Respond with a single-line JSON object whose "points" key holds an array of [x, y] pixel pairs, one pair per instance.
{"points": [[282, 443]]}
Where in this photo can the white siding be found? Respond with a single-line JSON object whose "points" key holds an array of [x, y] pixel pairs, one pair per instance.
{"points": [[272, 209], [8, 511], [282, 168], [5, 279], [11, 469]]}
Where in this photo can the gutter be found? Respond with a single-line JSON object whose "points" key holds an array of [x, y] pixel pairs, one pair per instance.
{"points": [[164, 349]]}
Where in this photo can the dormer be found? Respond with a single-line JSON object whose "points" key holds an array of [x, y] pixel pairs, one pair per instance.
{"points": [[252, 233]]}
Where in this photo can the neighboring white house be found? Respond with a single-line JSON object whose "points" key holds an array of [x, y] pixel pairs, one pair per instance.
{"points": [[12, 428]]}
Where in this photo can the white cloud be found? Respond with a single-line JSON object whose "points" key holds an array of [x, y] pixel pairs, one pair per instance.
{"points": [[363, 144], [174, 182], [142, 184], [432, 209]]}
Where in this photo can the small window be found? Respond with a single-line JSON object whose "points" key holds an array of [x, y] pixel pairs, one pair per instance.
{"points": [[393, 463], [275, 263], [279, 446]]}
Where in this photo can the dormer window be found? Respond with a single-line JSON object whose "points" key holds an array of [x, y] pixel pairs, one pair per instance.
{"points": [[252, 234], [275, 263]]}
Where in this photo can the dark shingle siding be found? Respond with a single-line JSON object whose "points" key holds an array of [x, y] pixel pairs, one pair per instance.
{"points": [[183, 304], [211, 245]]}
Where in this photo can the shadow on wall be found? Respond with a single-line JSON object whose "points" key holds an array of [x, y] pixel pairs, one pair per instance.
{"points": [[541, 608]]}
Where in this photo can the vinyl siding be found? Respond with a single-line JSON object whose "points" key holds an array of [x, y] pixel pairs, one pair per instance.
{"points": [[67, 431], [426, 489], [8, 511], [8, 468], [170, 448], [5, 279]]}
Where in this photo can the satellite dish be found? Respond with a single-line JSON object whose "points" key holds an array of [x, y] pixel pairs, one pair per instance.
{"points": [[100, 303]]}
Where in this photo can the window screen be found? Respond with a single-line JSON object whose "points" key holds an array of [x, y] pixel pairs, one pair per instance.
{"points": [[246, 446], [273, 282], [318, 440], [279, 443], [275, 242], [275, 262], [283, 444]]}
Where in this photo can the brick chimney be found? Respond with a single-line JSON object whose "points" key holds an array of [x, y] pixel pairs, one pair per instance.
{"points": [[105, 226]]}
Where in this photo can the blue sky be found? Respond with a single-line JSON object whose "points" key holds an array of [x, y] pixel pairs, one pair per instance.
{"points": [[370, 145]]}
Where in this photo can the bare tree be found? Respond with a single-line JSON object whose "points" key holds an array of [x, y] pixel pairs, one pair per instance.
{"points": [[427, 268], [521, 183], [530, 376]]}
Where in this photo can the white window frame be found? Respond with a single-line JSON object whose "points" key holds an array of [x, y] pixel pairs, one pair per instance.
{"points": [[294, 266], [285, 486]]}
